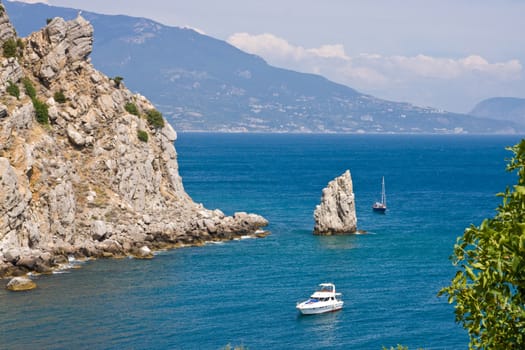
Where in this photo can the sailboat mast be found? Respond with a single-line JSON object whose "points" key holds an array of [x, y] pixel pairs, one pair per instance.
{"points": [[383, 193], [381, 206]]}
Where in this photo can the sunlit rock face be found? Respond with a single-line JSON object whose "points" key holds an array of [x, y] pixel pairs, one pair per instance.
{"points": [[84, 183], [335, 215]]}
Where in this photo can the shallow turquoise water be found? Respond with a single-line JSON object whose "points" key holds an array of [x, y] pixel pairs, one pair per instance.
{"points": [[244, 292]]}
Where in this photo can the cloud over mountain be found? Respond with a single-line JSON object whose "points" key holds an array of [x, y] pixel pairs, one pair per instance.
{"points": [[374, 72]]}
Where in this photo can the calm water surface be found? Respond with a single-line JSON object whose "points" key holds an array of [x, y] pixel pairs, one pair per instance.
{"points": [[244, 292]]}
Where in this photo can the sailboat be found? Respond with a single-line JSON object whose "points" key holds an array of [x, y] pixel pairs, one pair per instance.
{"points": [[381, 206]]}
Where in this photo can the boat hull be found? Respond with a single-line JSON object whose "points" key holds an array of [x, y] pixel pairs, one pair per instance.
{"points": [[319, 308], [379, 209]]}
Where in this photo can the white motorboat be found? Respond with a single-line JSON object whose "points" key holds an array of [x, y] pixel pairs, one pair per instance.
{"points": [[325, 299]]}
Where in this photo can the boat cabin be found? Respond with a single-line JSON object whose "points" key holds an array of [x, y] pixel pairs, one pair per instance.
{"points": [[326, 288]]}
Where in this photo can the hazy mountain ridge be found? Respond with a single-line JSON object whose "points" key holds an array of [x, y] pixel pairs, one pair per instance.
{"points": [[204, 84], [501, 108]]}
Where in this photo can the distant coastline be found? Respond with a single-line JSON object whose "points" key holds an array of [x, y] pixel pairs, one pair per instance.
{"points": [[522, 133], [233, 91]]}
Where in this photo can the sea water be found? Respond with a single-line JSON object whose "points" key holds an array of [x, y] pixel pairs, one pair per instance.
{"points": [[244, 292]]}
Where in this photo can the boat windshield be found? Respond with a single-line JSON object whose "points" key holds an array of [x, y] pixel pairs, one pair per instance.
{"points": [[326, 288]]}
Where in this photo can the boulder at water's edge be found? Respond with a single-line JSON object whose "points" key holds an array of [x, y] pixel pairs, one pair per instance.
{"points": [[18, 284]]}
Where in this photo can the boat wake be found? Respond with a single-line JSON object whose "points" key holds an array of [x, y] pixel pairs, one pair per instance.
{"points": [[244, 237], [364, 233]]}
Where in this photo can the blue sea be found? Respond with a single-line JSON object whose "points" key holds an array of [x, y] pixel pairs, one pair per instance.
{"points": [[244, 292]]}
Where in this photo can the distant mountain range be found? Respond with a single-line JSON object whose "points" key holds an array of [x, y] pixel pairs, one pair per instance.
{"points": [[204, 84], [502, 108]]}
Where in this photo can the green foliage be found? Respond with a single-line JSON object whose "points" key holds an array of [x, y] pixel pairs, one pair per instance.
{"points": [[131, 108], [20, 43], [13, 89], [2, 9], [41, 111], [41, 108], [142, 135], [117, 81], [489, 287], [48, 20], [60, 97], [10, 48], [28, 86], [155, 118]]}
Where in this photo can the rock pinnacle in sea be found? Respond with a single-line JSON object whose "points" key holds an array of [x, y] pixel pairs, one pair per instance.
{"points": [[335, 215]]}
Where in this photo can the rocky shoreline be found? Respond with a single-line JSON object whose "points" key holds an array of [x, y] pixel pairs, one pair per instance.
{"points": [[98, 176], [17, 263]]}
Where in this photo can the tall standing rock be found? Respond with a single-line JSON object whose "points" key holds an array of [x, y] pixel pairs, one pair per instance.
{"points": [[335, 215], [10, 70], [7, 31]]}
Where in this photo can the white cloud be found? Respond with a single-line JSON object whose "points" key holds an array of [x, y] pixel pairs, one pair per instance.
{"points": [[268, 46], [198, 30], [377, 73], [449, 68], [330, 58], [330, 51]]}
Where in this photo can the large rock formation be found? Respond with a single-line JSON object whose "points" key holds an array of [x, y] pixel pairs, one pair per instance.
{"points": [[336, 213], [86, 184]]}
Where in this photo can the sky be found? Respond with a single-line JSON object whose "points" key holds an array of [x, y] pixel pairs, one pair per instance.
{"points": [[447, 54]]}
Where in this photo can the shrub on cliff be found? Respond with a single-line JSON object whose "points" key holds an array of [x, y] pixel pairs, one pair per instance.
{"points": [[131, 108], [20, 43], [28, 86], [13, 89], [41, 111], [10, 48], [142, 135], [489, 287], [118, 80], [60, 97], [155, 118]]}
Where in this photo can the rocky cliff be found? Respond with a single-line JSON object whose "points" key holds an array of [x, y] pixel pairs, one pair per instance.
{"points": [[335, 215], [87, 168]]}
